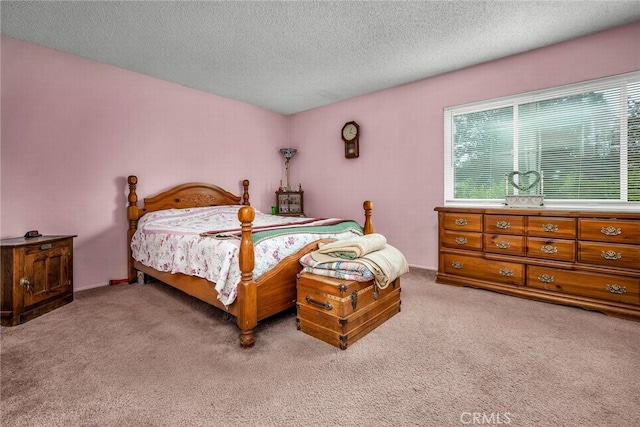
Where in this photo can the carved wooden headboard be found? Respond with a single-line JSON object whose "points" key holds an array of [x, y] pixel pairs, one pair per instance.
{"points": [[189, 195]]}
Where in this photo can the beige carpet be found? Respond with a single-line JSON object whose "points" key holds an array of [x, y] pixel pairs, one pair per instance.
{"points": [[146, 355]]}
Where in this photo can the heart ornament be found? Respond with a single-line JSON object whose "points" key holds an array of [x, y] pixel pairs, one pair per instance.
{"points": [[536, 179]]}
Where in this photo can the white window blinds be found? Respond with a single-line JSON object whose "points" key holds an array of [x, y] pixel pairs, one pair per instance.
{"points": [[584, 139]]}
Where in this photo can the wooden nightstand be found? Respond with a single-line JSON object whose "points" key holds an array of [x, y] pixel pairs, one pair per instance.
{"points": [[289, 203], [37, 277]]}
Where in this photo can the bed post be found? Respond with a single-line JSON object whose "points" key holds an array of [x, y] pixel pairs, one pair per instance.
{"points": [[245, 193], [368, 225], [247, 289], [132, 216]]}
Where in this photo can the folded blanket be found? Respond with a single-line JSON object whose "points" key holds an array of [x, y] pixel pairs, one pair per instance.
{"points": [[386, 264], [354, 248], [342, 269]]}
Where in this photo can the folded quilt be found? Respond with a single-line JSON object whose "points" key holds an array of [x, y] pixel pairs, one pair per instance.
{"points": [[354, 248], [346, 270], [386, 264]]}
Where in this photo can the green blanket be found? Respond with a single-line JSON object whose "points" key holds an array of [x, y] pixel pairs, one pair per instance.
{"points": [[340, 227]]}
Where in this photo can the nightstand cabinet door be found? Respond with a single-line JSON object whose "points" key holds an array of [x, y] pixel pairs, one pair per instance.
{"points": [[47, 269], [37, 277], [290, 203]]}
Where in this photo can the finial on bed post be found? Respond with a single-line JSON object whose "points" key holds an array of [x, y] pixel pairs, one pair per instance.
{"points": [[247, 288], [132, 216], [368, 225], [245, 193]]}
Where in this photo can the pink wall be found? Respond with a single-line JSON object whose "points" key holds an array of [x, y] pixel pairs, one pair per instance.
{"points": [[401, 149], [73, 130]]}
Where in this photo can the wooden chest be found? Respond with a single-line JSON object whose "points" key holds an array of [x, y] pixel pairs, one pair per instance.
{"points": [[340, 312]]}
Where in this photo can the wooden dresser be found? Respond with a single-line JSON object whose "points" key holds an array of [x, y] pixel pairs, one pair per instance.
{"points": [[37, 276], [589, 259]]}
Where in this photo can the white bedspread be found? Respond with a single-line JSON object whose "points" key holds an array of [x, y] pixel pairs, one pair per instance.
{"points": [[171, 241]]}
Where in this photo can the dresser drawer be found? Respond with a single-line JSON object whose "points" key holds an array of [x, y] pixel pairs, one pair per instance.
{"points": [[462, 240], [479, 268], [504, 244], [503, 224], [462, 221], [609, 230], [600, 286], [609, 254], [555, 249], [552, 227]]}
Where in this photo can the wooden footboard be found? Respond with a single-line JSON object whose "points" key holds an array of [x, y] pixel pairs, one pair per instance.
{"points": [[272, 293]]}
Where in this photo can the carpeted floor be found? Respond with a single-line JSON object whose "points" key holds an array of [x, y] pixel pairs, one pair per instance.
{"points": [[147, 355]]}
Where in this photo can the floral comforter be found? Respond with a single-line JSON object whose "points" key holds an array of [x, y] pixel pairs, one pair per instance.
{"points": [[185, 241]]}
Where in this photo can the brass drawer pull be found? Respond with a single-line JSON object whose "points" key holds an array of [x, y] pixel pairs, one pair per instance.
{"points": [[457, 264], [503, 225], [45, 246], [549, 249], [549, 228], [461, 240], [506, 272], [610, 231], [545, 278], [326, 305], [461, 221], [616, 289], [503, 245], [611, 255]]}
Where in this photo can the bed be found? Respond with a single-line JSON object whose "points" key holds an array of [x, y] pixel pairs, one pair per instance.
{"points": [[272, 292]]}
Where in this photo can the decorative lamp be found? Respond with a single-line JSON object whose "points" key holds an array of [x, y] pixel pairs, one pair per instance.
{"points": [[288, 153]]}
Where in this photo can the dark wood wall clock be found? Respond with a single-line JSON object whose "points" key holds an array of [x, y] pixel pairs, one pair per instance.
{"points": [[351, 138]]}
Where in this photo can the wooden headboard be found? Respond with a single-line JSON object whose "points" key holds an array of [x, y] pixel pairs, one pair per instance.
{"points": [[190, 195]]}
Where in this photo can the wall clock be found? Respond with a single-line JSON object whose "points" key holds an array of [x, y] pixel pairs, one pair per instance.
{"points": [[351, 138]]}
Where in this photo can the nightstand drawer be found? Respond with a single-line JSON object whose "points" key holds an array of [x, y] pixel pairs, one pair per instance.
{"points": [[555, 249], [462, 240], [609, 230], [504, 244], [600, 286], [462, 222], [551, 227], [609, 254], [479, 268], [504, 224]]}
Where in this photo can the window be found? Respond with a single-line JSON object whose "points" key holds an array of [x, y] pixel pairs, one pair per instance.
{"points": [[584, 139]]}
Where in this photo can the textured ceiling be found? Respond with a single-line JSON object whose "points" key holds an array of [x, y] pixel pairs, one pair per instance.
{"points": [[296, 55]]}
